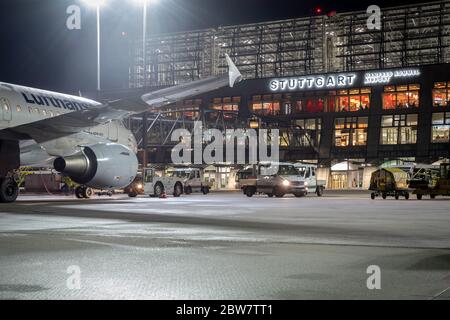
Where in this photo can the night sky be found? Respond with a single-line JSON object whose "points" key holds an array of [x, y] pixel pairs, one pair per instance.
{"points": [[37, 50]]}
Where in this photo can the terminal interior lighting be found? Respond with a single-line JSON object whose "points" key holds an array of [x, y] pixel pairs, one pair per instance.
{"points": [[254, 123]]}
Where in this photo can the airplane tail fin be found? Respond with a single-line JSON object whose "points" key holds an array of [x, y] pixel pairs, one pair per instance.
{"points": [[234, 74]]}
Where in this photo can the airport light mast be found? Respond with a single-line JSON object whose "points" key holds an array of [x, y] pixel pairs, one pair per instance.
{"points": [[144, 34], [97, 4], [144, 60]]}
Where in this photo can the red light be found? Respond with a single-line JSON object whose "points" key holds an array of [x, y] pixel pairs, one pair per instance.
{"points": [[332, 13], [318, 10]]}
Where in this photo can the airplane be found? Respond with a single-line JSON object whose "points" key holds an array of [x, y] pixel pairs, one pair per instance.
{"points": [[81, 138]]}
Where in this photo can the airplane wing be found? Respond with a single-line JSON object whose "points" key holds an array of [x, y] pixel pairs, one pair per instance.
{"points": [[73, 122]]}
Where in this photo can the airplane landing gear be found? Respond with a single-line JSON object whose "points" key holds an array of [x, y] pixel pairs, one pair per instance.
{"points": [[83, 192], [9, 190], [9, 162]]}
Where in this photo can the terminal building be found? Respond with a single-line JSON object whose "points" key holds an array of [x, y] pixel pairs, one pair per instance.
{"points": [[344, 97]]}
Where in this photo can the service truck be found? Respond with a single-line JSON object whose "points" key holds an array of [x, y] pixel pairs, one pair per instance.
{"points": [[151, 184], [308, 174], [193, 179], [263, 180]]}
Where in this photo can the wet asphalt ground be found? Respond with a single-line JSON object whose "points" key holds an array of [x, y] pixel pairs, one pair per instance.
{"points": [[225, 246]]}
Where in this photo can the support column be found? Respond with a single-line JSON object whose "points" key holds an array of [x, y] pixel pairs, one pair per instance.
{"points": [[144, 139]]}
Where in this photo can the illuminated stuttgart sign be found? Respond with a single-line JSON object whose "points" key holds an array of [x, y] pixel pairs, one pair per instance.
{"points": [[385, 77], [313, 82]]}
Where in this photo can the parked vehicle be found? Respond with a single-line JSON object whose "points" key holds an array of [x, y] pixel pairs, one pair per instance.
{"points": [[245, 176], [308, 173], [431, 181], [151, 184], [285, 181], [193, 179], [389, 182]]}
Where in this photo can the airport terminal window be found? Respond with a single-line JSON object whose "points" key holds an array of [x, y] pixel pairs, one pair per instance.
{"points": [[306, 133], [440, 127], [441, 94], [268, 105], [226, 104], [399, 129], [189, 109], [401, 97], [310, 103], [334, 101], [229, 106], [349, 100], [351, 131]]}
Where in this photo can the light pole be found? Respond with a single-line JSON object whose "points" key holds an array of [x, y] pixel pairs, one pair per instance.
{"points": [[144, 34], [144, 61], [98, 46], [97, 4], [144, 41]]}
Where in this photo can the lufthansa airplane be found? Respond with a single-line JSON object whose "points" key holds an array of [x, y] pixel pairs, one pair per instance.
{"points": [[81, 138]]}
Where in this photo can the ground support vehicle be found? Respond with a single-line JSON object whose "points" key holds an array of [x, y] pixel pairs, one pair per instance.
{"points": [[153, 185], [284, 181], [389, 182], [308, 173], [193, 179], [428, 181]]}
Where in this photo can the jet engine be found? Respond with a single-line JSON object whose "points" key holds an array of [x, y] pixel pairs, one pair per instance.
{"points": [[100, 166]]}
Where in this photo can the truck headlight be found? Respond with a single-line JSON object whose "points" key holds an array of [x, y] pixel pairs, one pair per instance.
{"points": [[306, 183], [139, 186], [286, 183]]}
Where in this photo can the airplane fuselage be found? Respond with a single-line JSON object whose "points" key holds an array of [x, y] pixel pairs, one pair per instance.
{"points": [[22, 105]]}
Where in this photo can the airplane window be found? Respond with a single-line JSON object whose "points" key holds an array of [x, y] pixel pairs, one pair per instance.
{"points": [[30, 109], [51, 113], [19, 108], [5, 104], [36, 110], [44, 113]]}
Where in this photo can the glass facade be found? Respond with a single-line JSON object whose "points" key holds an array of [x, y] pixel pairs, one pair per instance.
{"points": [[401, 97], [399, 129], [187, 109], [441, 94], [350, 100], [267, 105], [350, 131], [310, 133], [333, 101], [440, 127], [228, 106]]}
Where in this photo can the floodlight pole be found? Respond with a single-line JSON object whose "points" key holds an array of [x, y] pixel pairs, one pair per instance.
{"points": [[98, 47], [144, 42]]}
